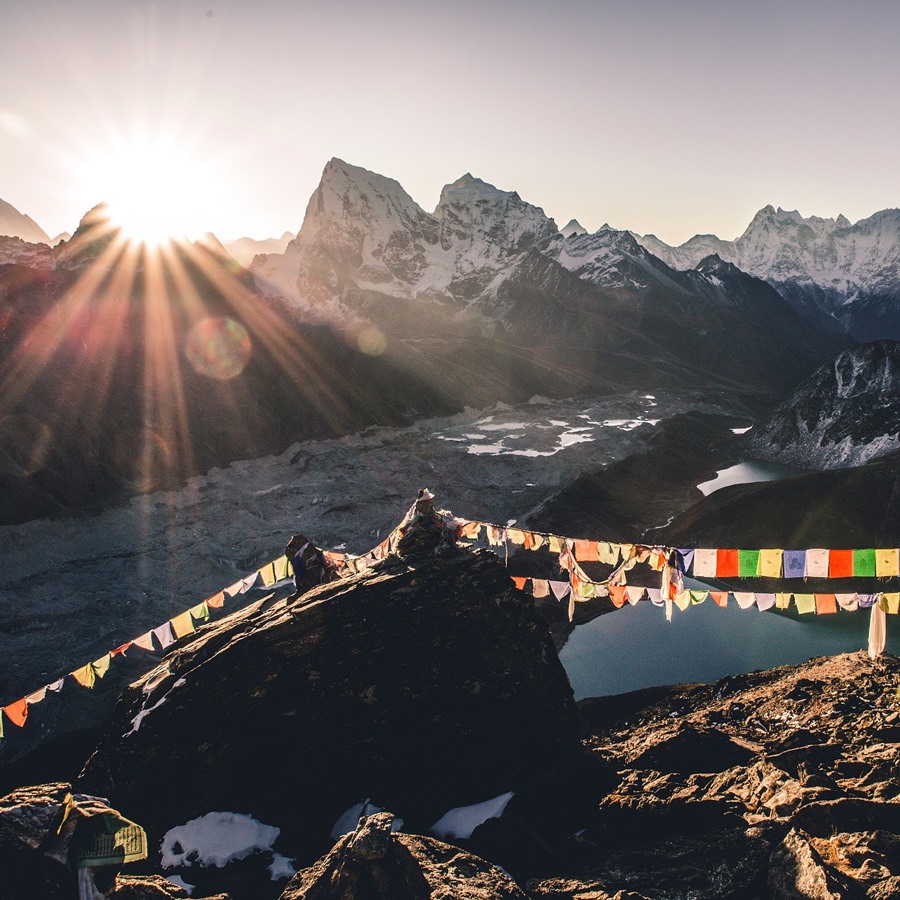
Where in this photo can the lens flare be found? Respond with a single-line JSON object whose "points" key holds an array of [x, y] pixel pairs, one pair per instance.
{"points": [[371, 341], [218, 348]]}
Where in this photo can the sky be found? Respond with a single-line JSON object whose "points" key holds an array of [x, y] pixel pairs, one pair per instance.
{"points": [[663, 116]]}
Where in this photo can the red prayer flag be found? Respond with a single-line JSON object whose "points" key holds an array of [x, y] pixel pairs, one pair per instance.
{"points": [[727, 564], [119, 650], [518, 582], [840, 563], [17, 712], [618, 593], [826, 604]]}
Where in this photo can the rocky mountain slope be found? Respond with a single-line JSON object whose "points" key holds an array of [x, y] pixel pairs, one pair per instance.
{"points": [[844, 414], [16, 224], [427, 684], [838, 272], [245, 249]]}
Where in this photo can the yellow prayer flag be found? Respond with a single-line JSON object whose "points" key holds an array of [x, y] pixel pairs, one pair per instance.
{"points": [[182, 624], [890, 603], [683, 600], [782, 601], [770, 563], [281, 568], [85, 676], [267, 573], [806, 603], [101, 666], [555, 542], [515, 535], [537, 541], [887, 563]]}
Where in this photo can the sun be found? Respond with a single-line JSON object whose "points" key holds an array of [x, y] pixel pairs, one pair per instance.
{"points": [[157, 188]]}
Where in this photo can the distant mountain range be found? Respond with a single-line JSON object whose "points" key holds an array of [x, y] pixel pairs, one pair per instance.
{"points": [[846, 276], [16, 224]]}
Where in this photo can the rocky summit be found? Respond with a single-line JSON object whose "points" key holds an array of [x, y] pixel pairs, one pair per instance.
{"points": [[424, 684]]}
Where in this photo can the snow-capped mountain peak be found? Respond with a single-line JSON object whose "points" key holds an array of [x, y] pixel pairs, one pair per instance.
{"points": [[574, 227]]}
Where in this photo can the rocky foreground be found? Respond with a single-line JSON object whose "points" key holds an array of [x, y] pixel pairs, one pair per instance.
{"points": [[428, 684]]}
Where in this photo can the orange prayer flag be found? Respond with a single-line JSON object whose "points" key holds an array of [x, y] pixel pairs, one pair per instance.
{"points": [[17, 712], [529, 540], [826, 604], [586, 551], [618, 593], [727, 564], [720, 598], [216, 601], [518, 582], [840, 563]]}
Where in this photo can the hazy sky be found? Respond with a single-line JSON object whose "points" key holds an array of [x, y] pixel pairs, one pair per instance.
{"points": [[671, 117]]}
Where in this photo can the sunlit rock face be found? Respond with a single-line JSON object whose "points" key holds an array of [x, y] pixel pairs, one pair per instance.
{"points": [[16, 224]]}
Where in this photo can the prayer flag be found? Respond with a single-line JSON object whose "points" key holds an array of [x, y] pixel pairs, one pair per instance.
{"points": [[120, 651], [281, 567], [537, 541], [540, 587], [560, 589], [850, 602], [867, 600], [720, 598], [471, 530], [248, 582], [85, 676], [267, 574], [634, 594], [515, 535], [745, 599], [705, 563], [765, 601], [608, 553], [826, 604], [583, 589], [529, 540], [56, 686], [748, 563], [877, 632], [164, 635], [200, 611], [806, 603], [891, 603], [887, 563], [234, 589], [182, 624], [657, 560], [145, 641], [17, 712], [618, 593], [586, 551], [698, 596], [36, 697], [817, 563], [101, 666], [518, 582], [555, 543], [496, 536], [687, 557], [654, 596], [682, 600], [864, 563], [794, 563], [770, 563], [727, 563], [217, 601], [840, 563], [782, 601]]}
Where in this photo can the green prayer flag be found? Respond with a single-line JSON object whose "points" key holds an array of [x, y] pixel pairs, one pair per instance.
{"points": [[864, 563], [748, 563], [806, 603]]}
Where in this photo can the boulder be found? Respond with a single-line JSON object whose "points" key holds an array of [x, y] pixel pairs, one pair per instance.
{"points": [[797, 872], [424, 684], [377, 864], [152, 887]]}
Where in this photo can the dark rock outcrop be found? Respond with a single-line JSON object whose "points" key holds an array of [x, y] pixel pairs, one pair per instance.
{"points": [[375, 864], [426, 684], [152, 887]]}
